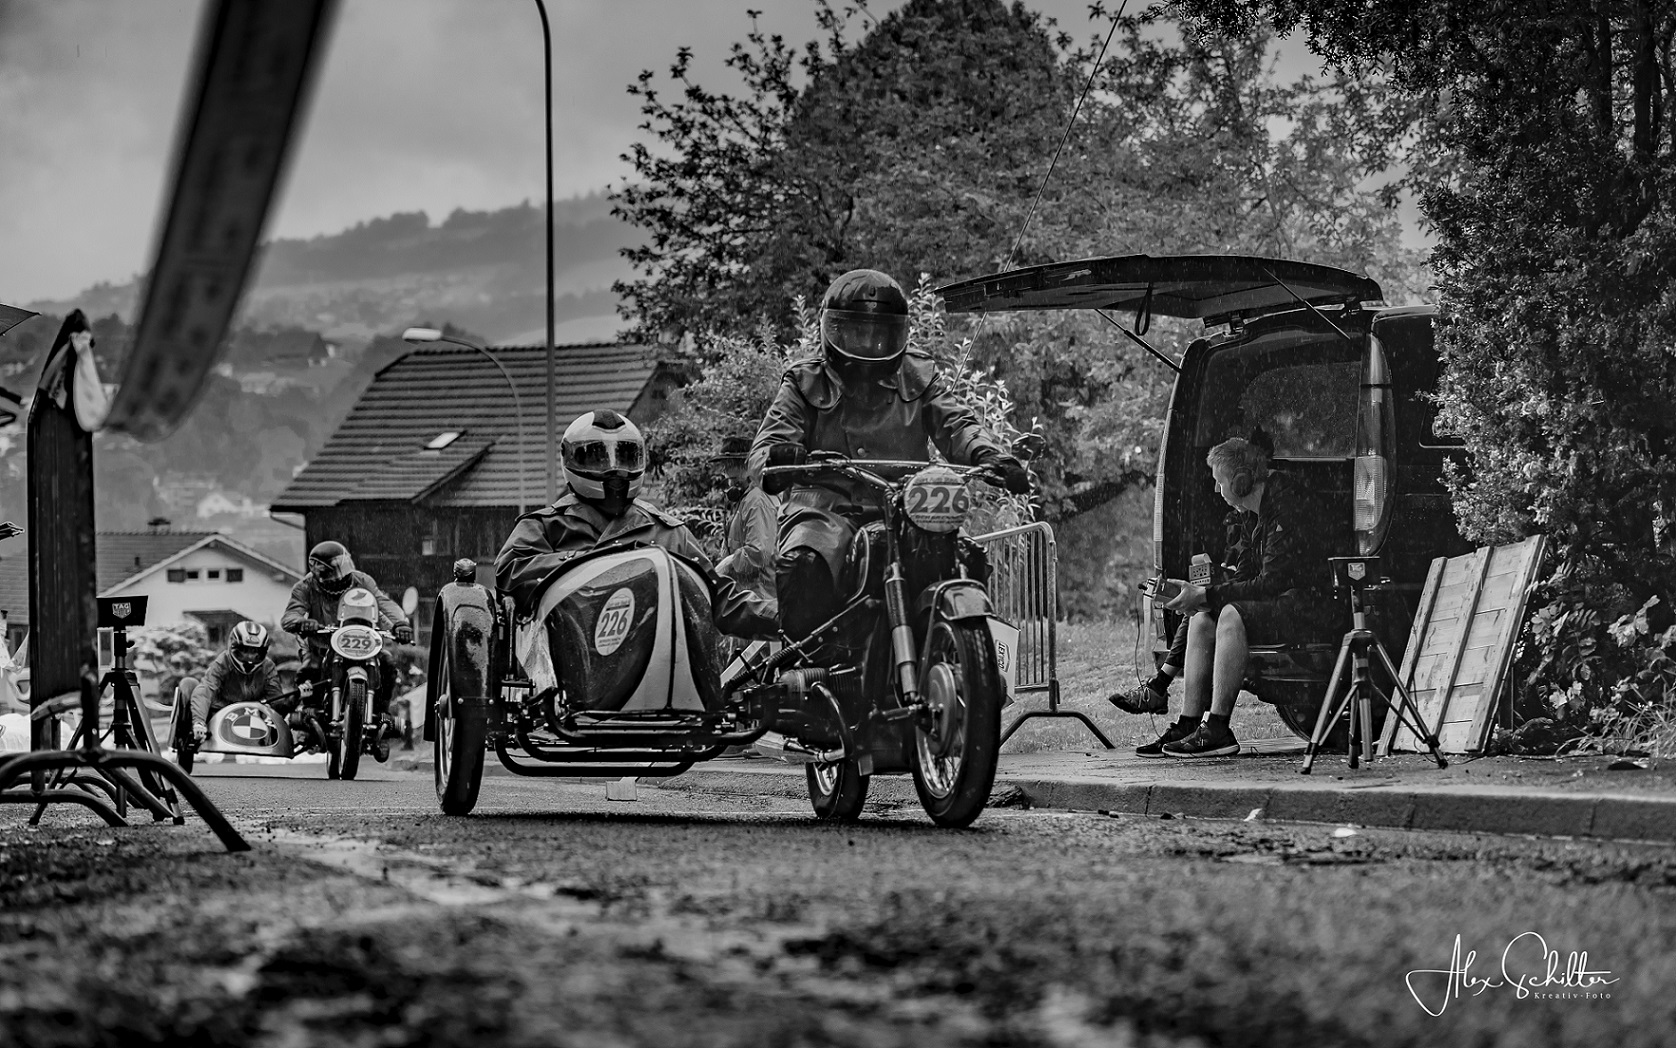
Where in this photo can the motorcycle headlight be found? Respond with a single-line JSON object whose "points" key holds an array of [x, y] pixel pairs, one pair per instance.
{"points": [[357, 642], [935, 499]]}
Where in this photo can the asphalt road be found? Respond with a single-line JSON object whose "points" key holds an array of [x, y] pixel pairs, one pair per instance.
{"points": [[554, 916]]}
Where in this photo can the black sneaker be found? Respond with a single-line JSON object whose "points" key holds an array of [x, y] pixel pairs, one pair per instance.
{"points": [[1174, 733], [1142, 698], [1204, 742]]}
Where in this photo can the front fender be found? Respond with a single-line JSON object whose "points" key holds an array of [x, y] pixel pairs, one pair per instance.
{"points": [[957, 599], [464, 629]]}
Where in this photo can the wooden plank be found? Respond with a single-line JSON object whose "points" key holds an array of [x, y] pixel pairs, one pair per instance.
{"points": [[1529, 557]]}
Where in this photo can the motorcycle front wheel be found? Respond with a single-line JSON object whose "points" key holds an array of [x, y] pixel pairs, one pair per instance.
{"points": [[180, 737], [354, 724], [954, 762], [837, 789]]}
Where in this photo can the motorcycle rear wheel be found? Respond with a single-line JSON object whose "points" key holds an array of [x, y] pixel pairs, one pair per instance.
{"points": [[837, 789], [354, 725], [459, 740], [954, 765]]}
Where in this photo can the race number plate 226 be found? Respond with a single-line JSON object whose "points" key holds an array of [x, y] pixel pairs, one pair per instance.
{"points": [[936, 499]]}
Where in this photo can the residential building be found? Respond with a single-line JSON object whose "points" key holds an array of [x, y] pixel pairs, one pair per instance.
{"points": [[431, 464]]}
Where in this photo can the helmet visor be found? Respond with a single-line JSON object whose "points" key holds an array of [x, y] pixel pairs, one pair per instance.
{"points": [[247, 656], [865, 336], [603, 456]]}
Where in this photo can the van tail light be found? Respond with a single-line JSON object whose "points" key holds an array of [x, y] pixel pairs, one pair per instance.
{"points": [[1370, 475]]}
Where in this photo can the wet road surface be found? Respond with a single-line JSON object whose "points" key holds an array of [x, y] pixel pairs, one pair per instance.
{"points": [[554, 916]]}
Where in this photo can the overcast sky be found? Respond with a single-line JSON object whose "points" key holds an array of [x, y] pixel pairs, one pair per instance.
{"points": [[422, 105]]}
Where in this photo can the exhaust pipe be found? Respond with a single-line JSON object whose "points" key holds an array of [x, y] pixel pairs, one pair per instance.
{"points": [[790, 751]]}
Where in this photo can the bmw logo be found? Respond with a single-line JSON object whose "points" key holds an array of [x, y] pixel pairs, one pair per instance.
{"points": [[251, 727]]}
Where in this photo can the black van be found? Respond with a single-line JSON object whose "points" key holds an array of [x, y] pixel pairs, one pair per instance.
{"points": [[1339, 381]]}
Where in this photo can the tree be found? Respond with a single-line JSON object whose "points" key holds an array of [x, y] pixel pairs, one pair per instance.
{"points": [[1540, 138], [919, 149], [910, 151]]}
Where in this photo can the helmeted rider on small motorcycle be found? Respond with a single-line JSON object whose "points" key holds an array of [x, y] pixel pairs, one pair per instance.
{"points": [[604, 460], [314, 605], [867, 396], [242, 673]]}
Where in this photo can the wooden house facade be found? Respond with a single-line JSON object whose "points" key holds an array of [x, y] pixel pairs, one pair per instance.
{"points": [[431, 464]]}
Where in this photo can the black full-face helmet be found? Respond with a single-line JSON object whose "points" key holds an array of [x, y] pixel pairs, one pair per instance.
{"points": [[864, 319], [330, 563]]}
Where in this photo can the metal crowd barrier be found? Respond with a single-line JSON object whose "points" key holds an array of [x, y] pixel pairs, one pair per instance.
{"points": [[1024, 588]]}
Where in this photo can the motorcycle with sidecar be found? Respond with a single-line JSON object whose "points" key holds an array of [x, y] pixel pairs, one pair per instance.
{"points": [[630, 682], [335, 715]]}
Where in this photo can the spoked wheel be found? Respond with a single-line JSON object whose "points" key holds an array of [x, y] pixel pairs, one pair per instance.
{"points": [[954, 762], [837, 789], [354, 725], [460, 734]]}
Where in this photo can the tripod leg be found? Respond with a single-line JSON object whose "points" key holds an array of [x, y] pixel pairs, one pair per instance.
{"points": [[1331, 705], [1405, 707]]}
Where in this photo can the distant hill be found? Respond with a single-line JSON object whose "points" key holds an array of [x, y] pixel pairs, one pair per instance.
{"points": [[479, 270]]}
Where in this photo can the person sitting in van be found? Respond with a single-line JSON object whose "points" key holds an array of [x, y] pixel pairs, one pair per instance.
{"points": [[1153, 696], [1289, 596]]}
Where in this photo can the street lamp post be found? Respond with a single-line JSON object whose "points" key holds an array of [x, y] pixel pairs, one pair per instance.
{"points": [[552, 391], [419, 336]]}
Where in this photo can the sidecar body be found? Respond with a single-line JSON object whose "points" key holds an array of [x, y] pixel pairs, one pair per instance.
{"points": [[615, 672]]}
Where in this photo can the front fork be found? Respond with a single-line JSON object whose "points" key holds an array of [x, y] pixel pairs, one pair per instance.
{"points": [[902, 648]]}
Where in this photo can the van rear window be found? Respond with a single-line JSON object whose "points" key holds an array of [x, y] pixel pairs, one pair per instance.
{"points": [[1300, 387]]}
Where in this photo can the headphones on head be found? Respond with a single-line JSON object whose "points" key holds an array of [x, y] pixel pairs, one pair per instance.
{"points": [[1242, 482]]}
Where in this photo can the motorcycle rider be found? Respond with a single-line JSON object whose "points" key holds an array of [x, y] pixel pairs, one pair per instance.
{"points": [[867, 396], [314, 603], [604, 460], [242, 673]]}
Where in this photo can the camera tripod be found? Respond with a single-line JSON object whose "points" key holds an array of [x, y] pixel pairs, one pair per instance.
{"points": [[1351, 691]]}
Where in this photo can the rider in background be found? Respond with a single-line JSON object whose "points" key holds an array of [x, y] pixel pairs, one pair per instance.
{"points": [[604, 459], [314, 605], [867, 396], [242, 673], [752, 522]]}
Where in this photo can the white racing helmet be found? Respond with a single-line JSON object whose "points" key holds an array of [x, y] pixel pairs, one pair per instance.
{"points": [[604, 459]]}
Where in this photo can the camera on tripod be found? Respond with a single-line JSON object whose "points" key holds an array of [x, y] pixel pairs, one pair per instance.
{"points": [[1354, 573]]}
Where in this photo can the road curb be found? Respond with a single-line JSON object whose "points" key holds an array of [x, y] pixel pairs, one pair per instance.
{"points": [[1478, 809], [1474, 809]]}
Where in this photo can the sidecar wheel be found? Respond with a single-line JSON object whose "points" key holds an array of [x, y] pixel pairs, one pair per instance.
{"points": [[837, 790], [180, 737], [354, 725], [954, 764], [457, 753]]}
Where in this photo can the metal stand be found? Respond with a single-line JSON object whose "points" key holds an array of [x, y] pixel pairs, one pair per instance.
{"points": [[108, 764], [1053, 710], [1357, 687]]}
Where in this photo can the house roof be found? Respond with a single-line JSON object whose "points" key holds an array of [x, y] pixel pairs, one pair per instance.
{"points": [[378, 452], [125, 557]]}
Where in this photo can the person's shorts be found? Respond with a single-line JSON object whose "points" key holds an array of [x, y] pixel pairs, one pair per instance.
{"points": [[1292, 619]]}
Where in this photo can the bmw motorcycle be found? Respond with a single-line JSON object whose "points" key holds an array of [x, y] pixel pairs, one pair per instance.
{"points": [[904, 677]]}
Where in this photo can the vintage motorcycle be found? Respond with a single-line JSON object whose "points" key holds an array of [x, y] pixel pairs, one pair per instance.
{"points": [[904, 677], [337, 715], [629, 680]]}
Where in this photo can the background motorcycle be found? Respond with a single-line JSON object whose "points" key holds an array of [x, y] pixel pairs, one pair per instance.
{"points": [[252, 728], [904, 677], [349, 676]]}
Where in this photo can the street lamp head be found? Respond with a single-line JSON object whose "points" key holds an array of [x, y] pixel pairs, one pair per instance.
{"points": [[420, 334]]}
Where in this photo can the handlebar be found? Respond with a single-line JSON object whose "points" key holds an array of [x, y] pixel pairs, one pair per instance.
{"points": [[776, 479]]}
